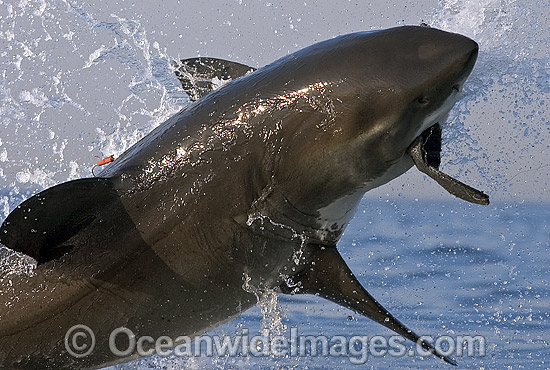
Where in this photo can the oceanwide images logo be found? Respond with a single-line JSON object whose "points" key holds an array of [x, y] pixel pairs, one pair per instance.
{"points": [[80, 342]]}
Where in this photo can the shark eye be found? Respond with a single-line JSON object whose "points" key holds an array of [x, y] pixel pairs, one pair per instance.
{"points": [[423, 100]]}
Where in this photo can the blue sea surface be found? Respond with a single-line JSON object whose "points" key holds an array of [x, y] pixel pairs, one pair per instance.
{"points": [[444, 268]]}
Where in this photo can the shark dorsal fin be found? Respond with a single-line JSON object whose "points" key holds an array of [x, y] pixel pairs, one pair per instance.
{"points": [[328, 276], [200, 76]]}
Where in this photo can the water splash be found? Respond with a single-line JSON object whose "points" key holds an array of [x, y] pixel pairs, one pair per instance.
{"points": [[272, 312], [508, 90], [13, 263], [112, 88]]}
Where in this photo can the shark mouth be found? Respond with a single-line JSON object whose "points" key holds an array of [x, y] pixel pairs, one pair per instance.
{"points": [[425, 152]]}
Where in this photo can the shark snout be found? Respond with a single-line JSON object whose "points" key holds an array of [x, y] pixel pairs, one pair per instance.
{"points": [[458, 58], [471, 54]]}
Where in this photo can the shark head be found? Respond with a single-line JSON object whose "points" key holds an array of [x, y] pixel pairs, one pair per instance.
{"points": [[375, 94]]}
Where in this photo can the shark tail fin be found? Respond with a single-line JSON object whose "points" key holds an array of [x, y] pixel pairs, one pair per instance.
{"points": [[200, 76], [40, 225], [329, 277]]}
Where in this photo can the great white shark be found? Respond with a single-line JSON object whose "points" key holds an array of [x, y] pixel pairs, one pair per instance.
{"points": [[253, 182]]}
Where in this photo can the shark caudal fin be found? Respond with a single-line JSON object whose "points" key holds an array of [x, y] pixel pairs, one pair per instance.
{"points": [[39, 226], [328, 276], [200, 76]]}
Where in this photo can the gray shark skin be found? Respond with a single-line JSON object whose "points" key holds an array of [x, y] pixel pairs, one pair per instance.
{"points": [[253, 183]]}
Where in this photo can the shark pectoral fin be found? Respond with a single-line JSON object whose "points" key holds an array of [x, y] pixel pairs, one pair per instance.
{"points": [[329, 277], [421, 158], [39, 226], [200, 76]]}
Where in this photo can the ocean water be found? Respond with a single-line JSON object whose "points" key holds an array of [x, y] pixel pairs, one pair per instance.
{"points": [[81, 80]]}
